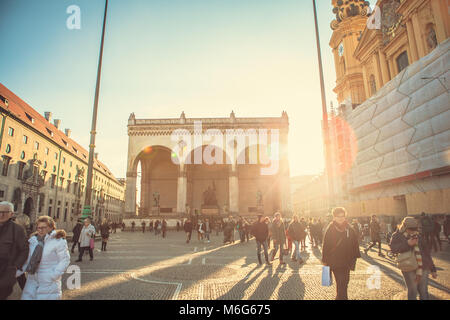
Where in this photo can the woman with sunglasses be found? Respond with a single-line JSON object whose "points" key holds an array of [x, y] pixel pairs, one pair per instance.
{"points": [[47, 261], [407, 238]]}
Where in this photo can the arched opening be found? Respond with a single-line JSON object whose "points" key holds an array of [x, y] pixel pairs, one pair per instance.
{"points": [[208, 181], [158, 185], [28, 207]]}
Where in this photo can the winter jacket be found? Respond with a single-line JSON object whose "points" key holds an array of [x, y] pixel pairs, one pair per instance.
{"points": [[261, 231], [340, 249], [427, 225], [188, 227], [279, 232], [86, 234], [45, 284], [399, 244], [104, 230], [76, 232], [295, 231], [375, 231], [13, 251]]}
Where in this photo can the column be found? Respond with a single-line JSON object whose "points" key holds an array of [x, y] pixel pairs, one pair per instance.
{"points": [[439, 10], [234, 191], [392, 68], [182, 192], [130, 194], [22, 202], [418, 36], [366, 82], [376, 65], [412, 41], [384, 67]]}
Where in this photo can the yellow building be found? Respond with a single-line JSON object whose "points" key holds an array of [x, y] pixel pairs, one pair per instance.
{"points": [[392, 127], [43, 171]]}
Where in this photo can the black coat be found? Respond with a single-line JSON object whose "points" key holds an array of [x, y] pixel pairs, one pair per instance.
{"points": [[76, 232], [340, 249], [13, 251], [295, 231], [261, 231], [188, 226]]}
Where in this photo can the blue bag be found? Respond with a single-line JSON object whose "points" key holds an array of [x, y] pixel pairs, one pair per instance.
{"points": [[327, 280]]}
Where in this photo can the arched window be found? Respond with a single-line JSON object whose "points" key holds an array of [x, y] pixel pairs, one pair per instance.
{"points": [[372, 85]]}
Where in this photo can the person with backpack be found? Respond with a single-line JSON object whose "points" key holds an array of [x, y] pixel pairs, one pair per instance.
{"points": [[340, 251], [414, 258]]}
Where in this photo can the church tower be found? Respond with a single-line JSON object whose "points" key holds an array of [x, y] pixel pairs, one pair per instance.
{"points": [[351, 19]]}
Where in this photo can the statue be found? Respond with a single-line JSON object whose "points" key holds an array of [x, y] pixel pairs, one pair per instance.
{"points": [[209, 196], [259, 199], [156, 199]]}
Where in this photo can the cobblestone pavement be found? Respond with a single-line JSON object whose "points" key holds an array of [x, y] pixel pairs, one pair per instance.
{"points": [[145, 266]]}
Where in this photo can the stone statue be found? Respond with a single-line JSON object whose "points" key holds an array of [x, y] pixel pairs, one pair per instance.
{"points": [[259, 200], [209, 196], [156, 199]]}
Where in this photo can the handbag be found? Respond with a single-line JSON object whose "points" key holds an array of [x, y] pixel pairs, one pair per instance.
{"points": [[327, 280], [91, 243], [406, 261]]}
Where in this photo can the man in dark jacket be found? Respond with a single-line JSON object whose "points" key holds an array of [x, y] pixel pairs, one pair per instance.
{"points": [[295, 232], [278, 236], [427, 227], [260, 231], [188, 230], [13, 249], [76, 235], [375, 230], [340, 251]]}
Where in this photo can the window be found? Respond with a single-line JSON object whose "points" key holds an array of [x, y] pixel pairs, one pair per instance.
{"points": [[402, 61], [49, 132], [70, 164], [29, 117], [65, 142], [43, 174], [8, 148], [53, 181], [20, 171], [22, 155], [62, 172], [25, 139], [11, 132], [431, 37], [64, 160], [2, 193], [45, 164], [68, 186], [36, 145], [54, 168], [49, 211], [46, 150], [6, 161], [56, 155]]}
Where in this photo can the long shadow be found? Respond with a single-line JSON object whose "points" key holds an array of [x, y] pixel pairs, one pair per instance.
{"points": [[293, 284], [268, 284], [237, 292], [382, 267]]}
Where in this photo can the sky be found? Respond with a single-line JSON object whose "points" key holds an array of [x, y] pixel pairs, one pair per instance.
{"points": [[162, 57]]}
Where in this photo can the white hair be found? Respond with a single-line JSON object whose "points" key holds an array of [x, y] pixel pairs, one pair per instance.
{"points": [[7, 204]]}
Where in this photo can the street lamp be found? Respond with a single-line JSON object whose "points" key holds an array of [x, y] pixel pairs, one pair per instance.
{"points": [[324, 115], [87, 200]]}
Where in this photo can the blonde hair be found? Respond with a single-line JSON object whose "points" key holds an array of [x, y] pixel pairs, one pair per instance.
{"points": [[52, 224]]}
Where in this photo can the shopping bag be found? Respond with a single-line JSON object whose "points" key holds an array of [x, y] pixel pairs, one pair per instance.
{"points": [[91, 243], [327, 280]]}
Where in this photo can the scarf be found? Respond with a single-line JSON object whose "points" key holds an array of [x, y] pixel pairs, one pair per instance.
{"points": [[417, 254], [37, 256]]}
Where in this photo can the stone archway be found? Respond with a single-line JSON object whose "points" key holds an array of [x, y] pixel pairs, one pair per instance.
{"points": [[28, 207]]}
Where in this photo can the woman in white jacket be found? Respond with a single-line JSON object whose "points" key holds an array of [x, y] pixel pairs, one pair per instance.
{"points": [[47, 261], [87, 233]]}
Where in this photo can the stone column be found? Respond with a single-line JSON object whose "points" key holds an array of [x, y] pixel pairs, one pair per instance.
{"points": [[182, 192], [22, 203], [418, 36], [376, 65], [130, 194], [233, 190], [384, 67], [366, 82], [438, 8], [414, 55], [392, 69]]}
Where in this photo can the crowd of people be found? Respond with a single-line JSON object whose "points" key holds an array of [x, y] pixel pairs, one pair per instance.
{"points": [[37, 261]]}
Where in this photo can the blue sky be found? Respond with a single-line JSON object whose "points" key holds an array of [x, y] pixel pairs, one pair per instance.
{"points": [[203, 57]]}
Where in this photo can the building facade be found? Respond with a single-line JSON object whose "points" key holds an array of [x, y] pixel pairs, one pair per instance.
{"points": [[391, 130], [208, 166], [44, 170]]}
